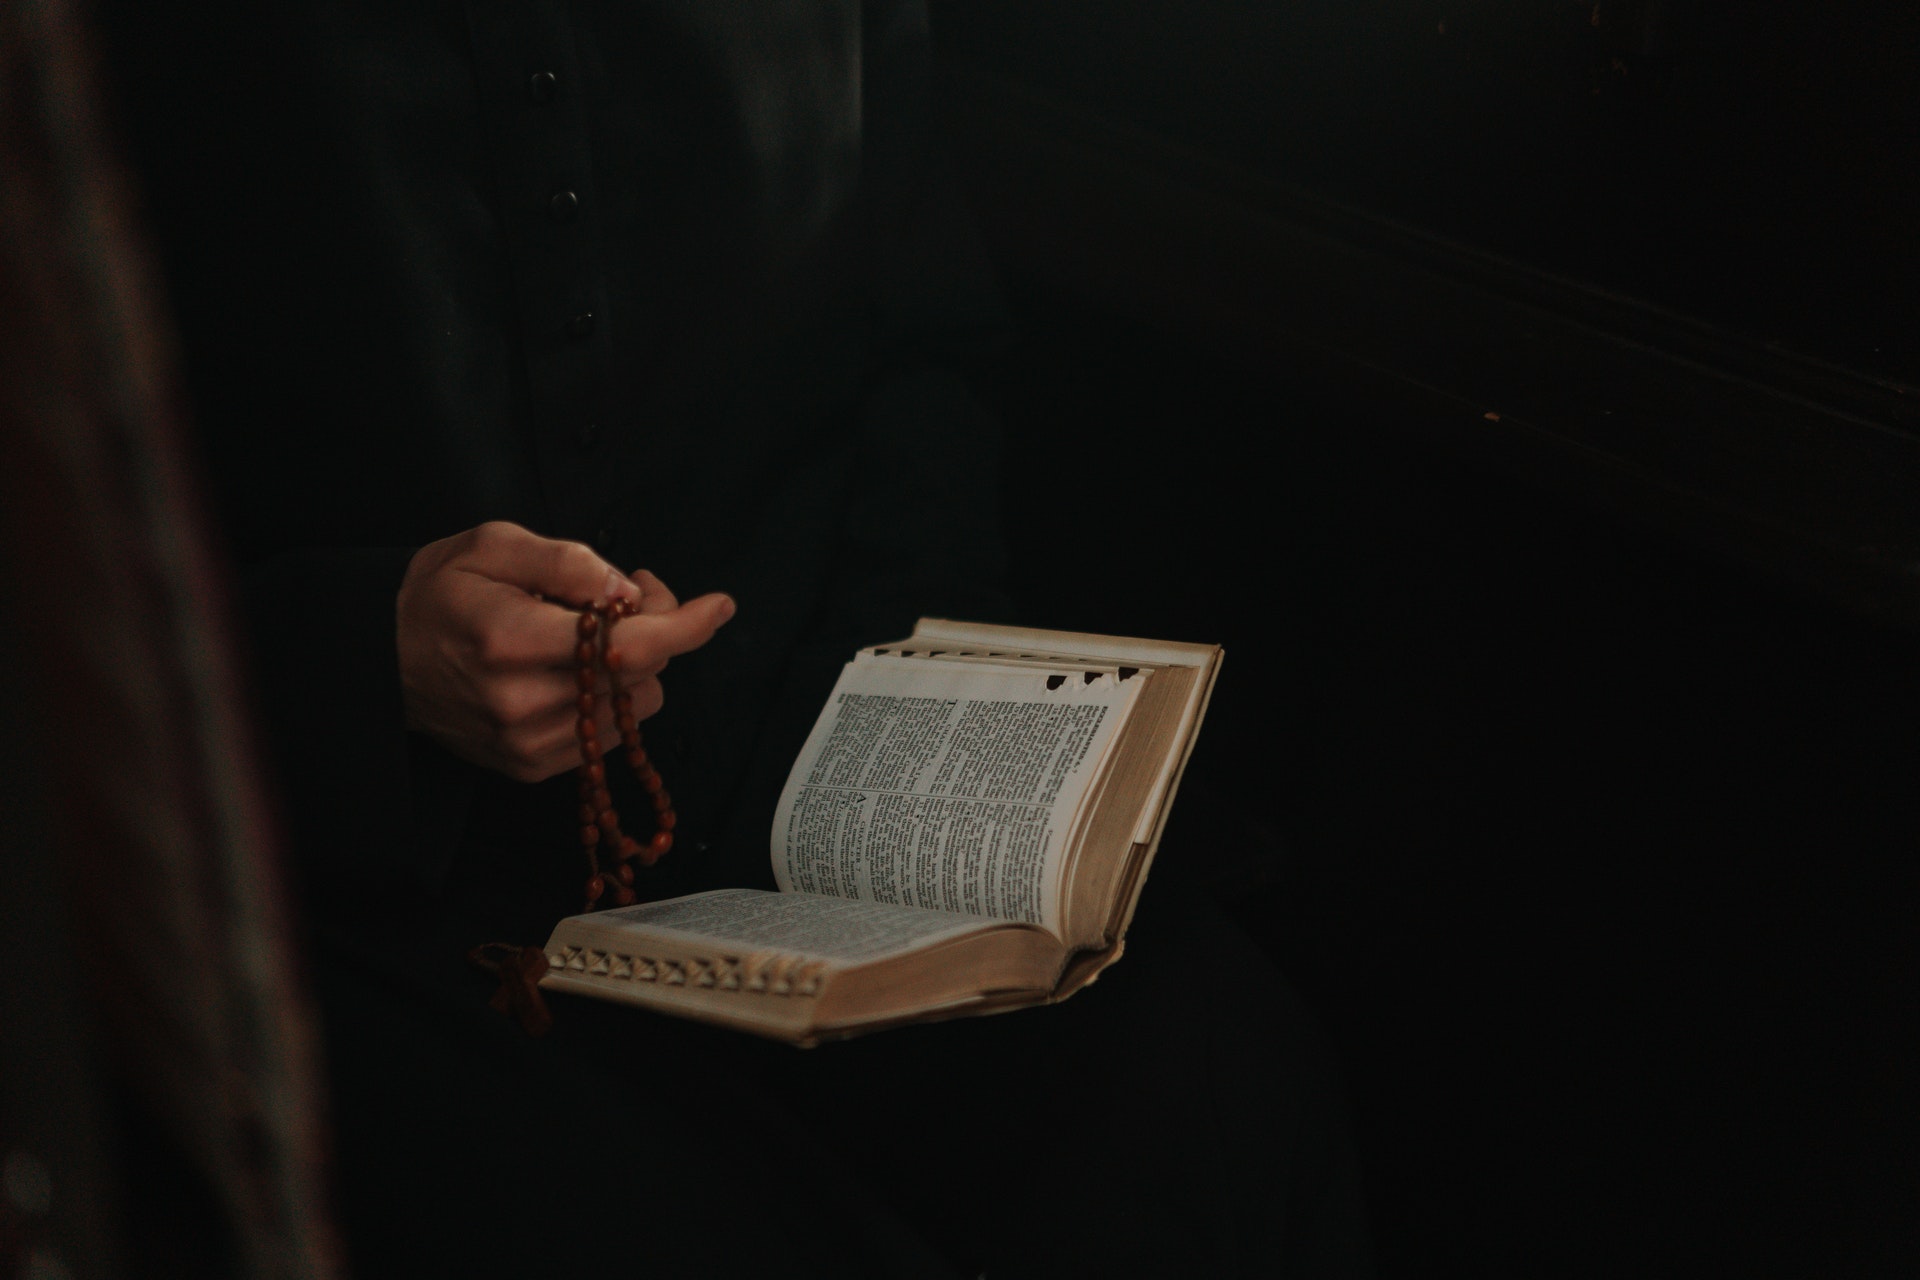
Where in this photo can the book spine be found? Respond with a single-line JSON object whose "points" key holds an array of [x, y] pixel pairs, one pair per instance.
{"points": [[760, 974]]}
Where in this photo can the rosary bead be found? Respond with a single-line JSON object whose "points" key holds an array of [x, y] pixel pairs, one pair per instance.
{"points": [[635, 755], [661, 842], [584, 705], [609, 822], [588, 815], [623, 873], [622, 896], [597, 772], [628, 846], [650, 779], [589, 835], [589, 623], [615, 660], [590, 747], [583, 679], [584, 654], [662, 800], [666, 819], [596, 886]]}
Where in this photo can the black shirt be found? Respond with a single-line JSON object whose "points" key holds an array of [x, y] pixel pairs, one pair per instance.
{"points": [[678, 279]]}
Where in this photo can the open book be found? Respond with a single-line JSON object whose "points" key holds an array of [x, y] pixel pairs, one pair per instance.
{"points": [[966, 830]]}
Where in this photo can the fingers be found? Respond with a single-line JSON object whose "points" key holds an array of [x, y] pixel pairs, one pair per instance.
{"points": [[538, 749], [646, 641], [569, 572], [654, 597], [519, 633]]}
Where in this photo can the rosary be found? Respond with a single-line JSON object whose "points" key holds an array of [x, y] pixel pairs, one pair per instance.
{"points": [[594, 654], [610, 852]]}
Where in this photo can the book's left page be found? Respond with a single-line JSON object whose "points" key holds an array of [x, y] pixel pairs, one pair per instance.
{"points": [[948, 786]]}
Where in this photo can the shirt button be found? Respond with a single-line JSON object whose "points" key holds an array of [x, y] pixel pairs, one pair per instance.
{"points": [[563, 206], [580, 327], [590, 435], [542, 86]]}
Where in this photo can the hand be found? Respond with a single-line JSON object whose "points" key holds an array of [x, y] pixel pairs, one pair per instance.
{"points": [[487, 667]]}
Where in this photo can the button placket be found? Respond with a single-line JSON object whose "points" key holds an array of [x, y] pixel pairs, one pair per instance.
{"points": [[526, 50]]}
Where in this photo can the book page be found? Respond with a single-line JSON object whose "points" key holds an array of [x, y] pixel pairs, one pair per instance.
{"points": [[837, 929], [947, 786]]}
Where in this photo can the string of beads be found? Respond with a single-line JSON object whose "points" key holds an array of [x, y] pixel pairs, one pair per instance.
{"points": [[611, 875]]}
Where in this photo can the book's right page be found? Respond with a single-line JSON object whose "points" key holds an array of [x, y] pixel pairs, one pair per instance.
{"points": [[1118, 847], [948, 786]]}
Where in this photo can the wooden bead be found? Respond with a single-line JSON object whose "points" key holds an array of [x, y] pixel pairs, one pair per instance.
{"points": [[661, 842], [650, 779], [597, 772], [637, 757], [628, 846], [623, 896], [587, 814], [666, 820], [596, 885], [623, 873], [609, 822], [662, 800], [614, 660], [589, 622], [584, 705], [583, 679], [584, 654], [589, 835], [591, 748]]}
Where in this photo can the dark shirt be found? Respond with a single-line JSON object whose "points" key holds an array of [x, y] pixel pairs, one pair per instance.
{"points": [[676, 279]]}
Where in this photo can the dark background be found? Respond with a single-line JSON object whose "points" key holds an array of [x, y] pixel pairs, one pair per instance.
{"points": [[1567, 770]]}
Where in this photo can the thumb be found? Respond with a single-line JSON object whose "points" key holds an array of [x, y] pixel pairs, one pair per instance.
{"points": [[568, 572]]}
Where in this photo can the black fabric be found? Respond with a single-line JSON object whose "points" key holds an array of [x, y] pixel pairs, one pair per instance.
{"points": [[352, 201], [1177, 1117], [733, 350]]}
